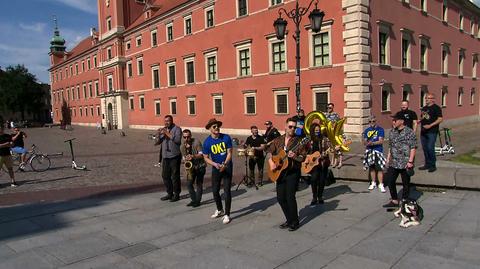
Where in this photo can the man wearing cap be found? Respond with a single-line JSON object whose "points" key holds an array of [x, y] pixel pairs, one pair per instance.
{"points": [[271, 132], [257, 143], [217, 152], [401, 154], [374, 159]]}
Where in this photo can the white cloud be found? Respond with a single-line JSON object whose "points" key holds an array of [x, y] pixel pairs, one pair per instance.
{"points": [[89, 6], [36, 27]]}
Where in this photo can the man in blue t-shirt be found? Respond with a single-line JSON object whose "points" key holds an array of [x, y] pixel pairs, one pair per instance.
{"points": [[374, 159], [217, 152]]}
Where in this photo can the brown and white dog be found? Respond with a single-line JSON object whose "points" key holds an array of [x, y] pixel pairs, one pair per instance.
{"points": [[410, 212]]}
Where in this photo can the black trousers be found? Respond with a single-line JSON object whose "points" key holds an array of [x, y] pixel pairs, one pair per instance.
{"points": [[287, 186], [317, 181], [171, 174], [217, 177], [259, 162], [392, 175], [196, 181]]}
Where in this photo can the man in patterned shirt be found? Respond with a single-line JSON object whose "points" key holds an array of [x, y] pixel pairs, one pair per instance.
{"points": [[403, 144]]}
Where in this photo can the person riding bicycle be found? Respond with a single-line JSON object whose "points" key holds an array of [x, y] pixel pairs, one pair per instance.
{"points": [[5, 158], [19, 145]]}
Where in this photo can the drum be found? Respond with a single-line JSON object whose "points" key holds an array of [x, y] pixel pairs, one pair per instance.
{"points": [[241, 152], [251, 152]]}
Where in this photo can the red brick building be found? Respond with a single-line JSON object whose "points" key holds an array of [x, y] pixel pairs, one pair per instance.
{"points": [[197, 59]]}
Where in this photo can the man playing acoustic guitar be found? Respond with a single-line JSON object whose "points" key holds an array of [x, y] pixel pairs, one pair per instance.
{"points": [[287, 181]]}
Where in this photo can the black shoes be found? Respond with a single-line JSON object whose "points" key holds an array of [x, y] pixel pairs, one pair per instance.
{"points": [[423, 168], [293, 227], [313, 202], [321, 202], [191, 203], [432, 169], [175, 198], [165, 198], [390, 204], [284, 225], [196, 204]]}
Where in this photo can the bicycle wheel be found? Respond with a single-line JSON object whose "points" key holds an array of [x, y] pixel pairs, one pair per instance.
{"points": [[40, 163]]}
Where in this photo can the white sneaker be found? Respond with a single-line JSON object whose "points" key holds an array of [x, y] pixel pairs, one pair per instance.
{"points": [[158, 165], [372, 186], [218, 213], [226, 219], [381, 187]]}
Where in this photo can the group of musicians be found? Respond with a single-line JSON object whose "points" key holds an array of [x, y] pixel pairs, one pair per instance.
{"points": [[216, 151]]}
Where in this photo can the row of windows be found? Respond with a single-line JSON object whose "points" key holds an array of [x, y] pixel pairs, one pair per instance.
{"points": [[74, 93], [209, 22], [408, 41], [73, 69], [407, 92], [320, 56], [424, 6], [82, 112], [320, 100]]}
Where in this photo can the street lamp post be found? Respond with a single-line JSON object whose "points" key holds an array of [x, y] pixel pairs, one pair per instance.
{"points": [[296, 14]]}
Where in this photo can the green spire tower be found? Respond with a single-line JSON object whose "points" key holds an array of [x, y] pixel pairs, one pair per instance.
{"points": [[57, 44]]}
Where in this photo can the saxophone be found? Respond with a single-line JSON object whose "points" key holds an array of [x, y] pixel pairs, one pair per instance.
{"points": [[188, 165]]}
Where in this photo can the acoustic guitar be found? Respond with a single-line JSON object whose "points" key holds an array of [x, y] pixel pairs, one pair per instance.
{"points": [[281, 160], [312, 160]]}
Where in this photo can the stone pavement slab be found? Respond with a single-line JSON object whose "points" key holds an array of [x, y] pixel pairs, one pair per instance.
{"points": [[350, 230]]}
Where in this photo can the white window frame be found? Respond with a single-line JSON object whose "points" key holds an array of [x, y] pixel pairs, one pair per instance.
{"points": [[406, 35], [424, 5], [138, 66], [110, 77], [95, 63], [173, 100], [157, 101], [170, 64], [443, 96], [460, 97], [241, 48], [472, 27], [320, 89], [186, 61], [109, 23], [152, 32], [461, 62], [167, 26], [444, 13], [426, 42], [189, 99], [406, 88], [98, 111], [129, 69], [188, 17], [140, 98], [245, 96], [472, 96], [237, 9], [153, 69], [90, 90], [271, 41], [386, 88], [276, 4], [138, 40], [109, 53], [461, 21], [207, 74], [326, 28], [276, 93], [206, 10], [217, 97], [128, 45], [444, 62], [475, 66], [131, 102]]}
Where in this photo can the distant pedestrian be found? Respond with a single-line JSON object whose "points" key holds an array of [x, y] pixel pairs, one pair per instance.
{"points": [[401, 155], [5, 156], [271, 132], [170, 139], [336, 157], [300, 119], [411, 119], [374, 160], [431, 117]]}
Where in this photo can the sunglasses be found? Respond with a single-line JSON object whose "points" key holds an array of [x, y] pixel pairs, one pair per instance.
{"points": [[371, 121], [330, 107], [186, 137], [291, 126], [215, 126]]}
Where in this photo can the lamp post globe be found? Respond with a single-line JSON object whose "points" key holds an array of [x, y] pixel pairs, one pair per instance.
{"points": [[280, 27]]}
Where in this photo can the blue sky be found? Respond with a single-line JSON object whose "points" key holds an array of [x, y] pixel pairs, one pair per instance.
{"points": [[26, 27]]}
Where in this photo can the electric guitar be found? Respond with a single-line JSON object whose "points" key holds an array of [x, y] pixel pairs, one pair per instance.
{"points": [[281, 160]]}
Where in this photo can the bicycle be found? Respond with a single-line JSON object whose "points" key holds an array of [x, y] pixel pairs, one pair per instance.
{"points": [[38, 162]]}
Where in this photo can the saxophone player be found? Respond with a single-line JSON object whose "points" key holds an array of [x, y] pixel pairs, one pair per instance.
{"points": [[195, 165]]}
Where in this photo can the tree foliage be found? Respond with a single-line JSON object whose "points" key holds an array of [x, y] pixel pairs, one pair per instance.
{"points": [[20, 92]]}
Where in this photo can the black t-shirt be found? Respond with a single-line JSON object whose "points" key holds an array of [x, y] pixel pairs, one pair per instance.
{"points": [[4, 138], [430, 114], [410, 116], [271, 134], [256, 142], [19, 141]]}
